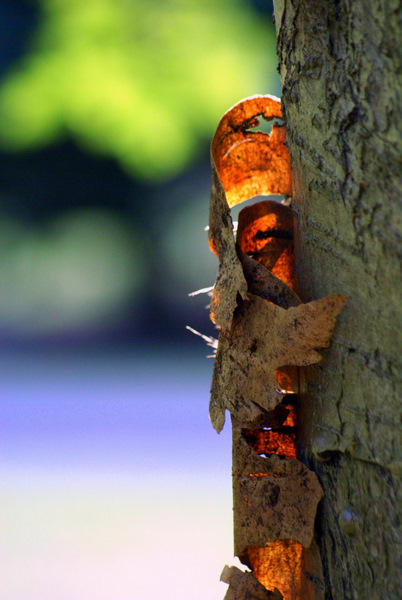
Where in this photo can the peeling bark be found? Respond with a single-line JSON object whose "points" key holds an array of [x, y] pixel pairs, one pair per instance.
{"points": [[341, 102], [243, 585], [259, 348]]}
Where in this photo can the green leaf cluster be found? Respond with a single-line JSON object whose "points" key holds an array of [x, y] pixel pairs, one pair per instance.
{"points": [[142, 82]]}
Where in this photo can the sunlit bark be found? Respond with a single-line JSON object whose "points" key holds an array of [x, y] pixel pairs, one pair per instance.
{"points": [[339, 71]]}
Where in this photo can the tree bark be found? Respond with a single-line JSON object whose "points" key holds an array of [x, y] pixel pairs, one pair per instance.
{"points": [[338, 63]]}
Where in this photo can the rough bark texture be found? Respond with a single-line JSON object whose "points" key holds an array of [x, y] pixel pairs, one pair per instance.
{"points": [[339, 69]]}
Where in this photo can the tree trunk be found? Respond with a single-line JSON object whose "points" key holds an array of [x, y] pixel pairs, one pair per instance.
{"points": [[339, 67]]}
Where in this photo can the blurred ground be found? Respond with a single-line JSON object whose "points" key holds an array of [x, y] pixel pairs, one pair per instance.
{"points": [[113, 482], [114, 485]]}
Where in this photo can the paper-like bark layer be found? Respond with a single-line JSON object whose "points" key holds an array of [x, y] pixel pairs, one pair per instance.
{"points": [[251, 163], [230, 282], [244, 164], [281, 442], [265, 334], [274, 498], [265, 230], [244, 586], [264, 337], [294, 570]]}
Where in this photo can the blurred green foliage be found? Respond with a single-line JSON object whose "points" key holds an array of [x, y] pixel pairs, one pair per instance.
{"points": [[79, 271], [143, 82]]}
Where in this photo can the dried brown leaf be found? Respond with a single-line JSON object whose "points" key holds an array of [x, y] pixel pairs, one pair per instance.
{"points": [[262, 338], [244, 586], [274, 498]]}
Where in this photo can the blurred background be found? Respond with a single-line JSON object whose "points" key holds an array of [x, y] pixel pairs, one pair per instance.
{"points": [[113, 482]]}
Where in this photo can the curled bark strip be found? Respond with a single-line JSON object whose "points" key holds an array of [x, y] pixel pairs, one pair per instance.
{"points": [[281, 442], [294, 570], [274, 498], [244, 164], [261, 282], [251, 163], [265, 230], [280, 564], [243, 585]]}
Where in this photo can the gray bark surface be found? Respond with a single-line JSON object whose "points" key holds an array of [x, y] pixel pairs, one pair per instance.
{"points": [[341, 99]]}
